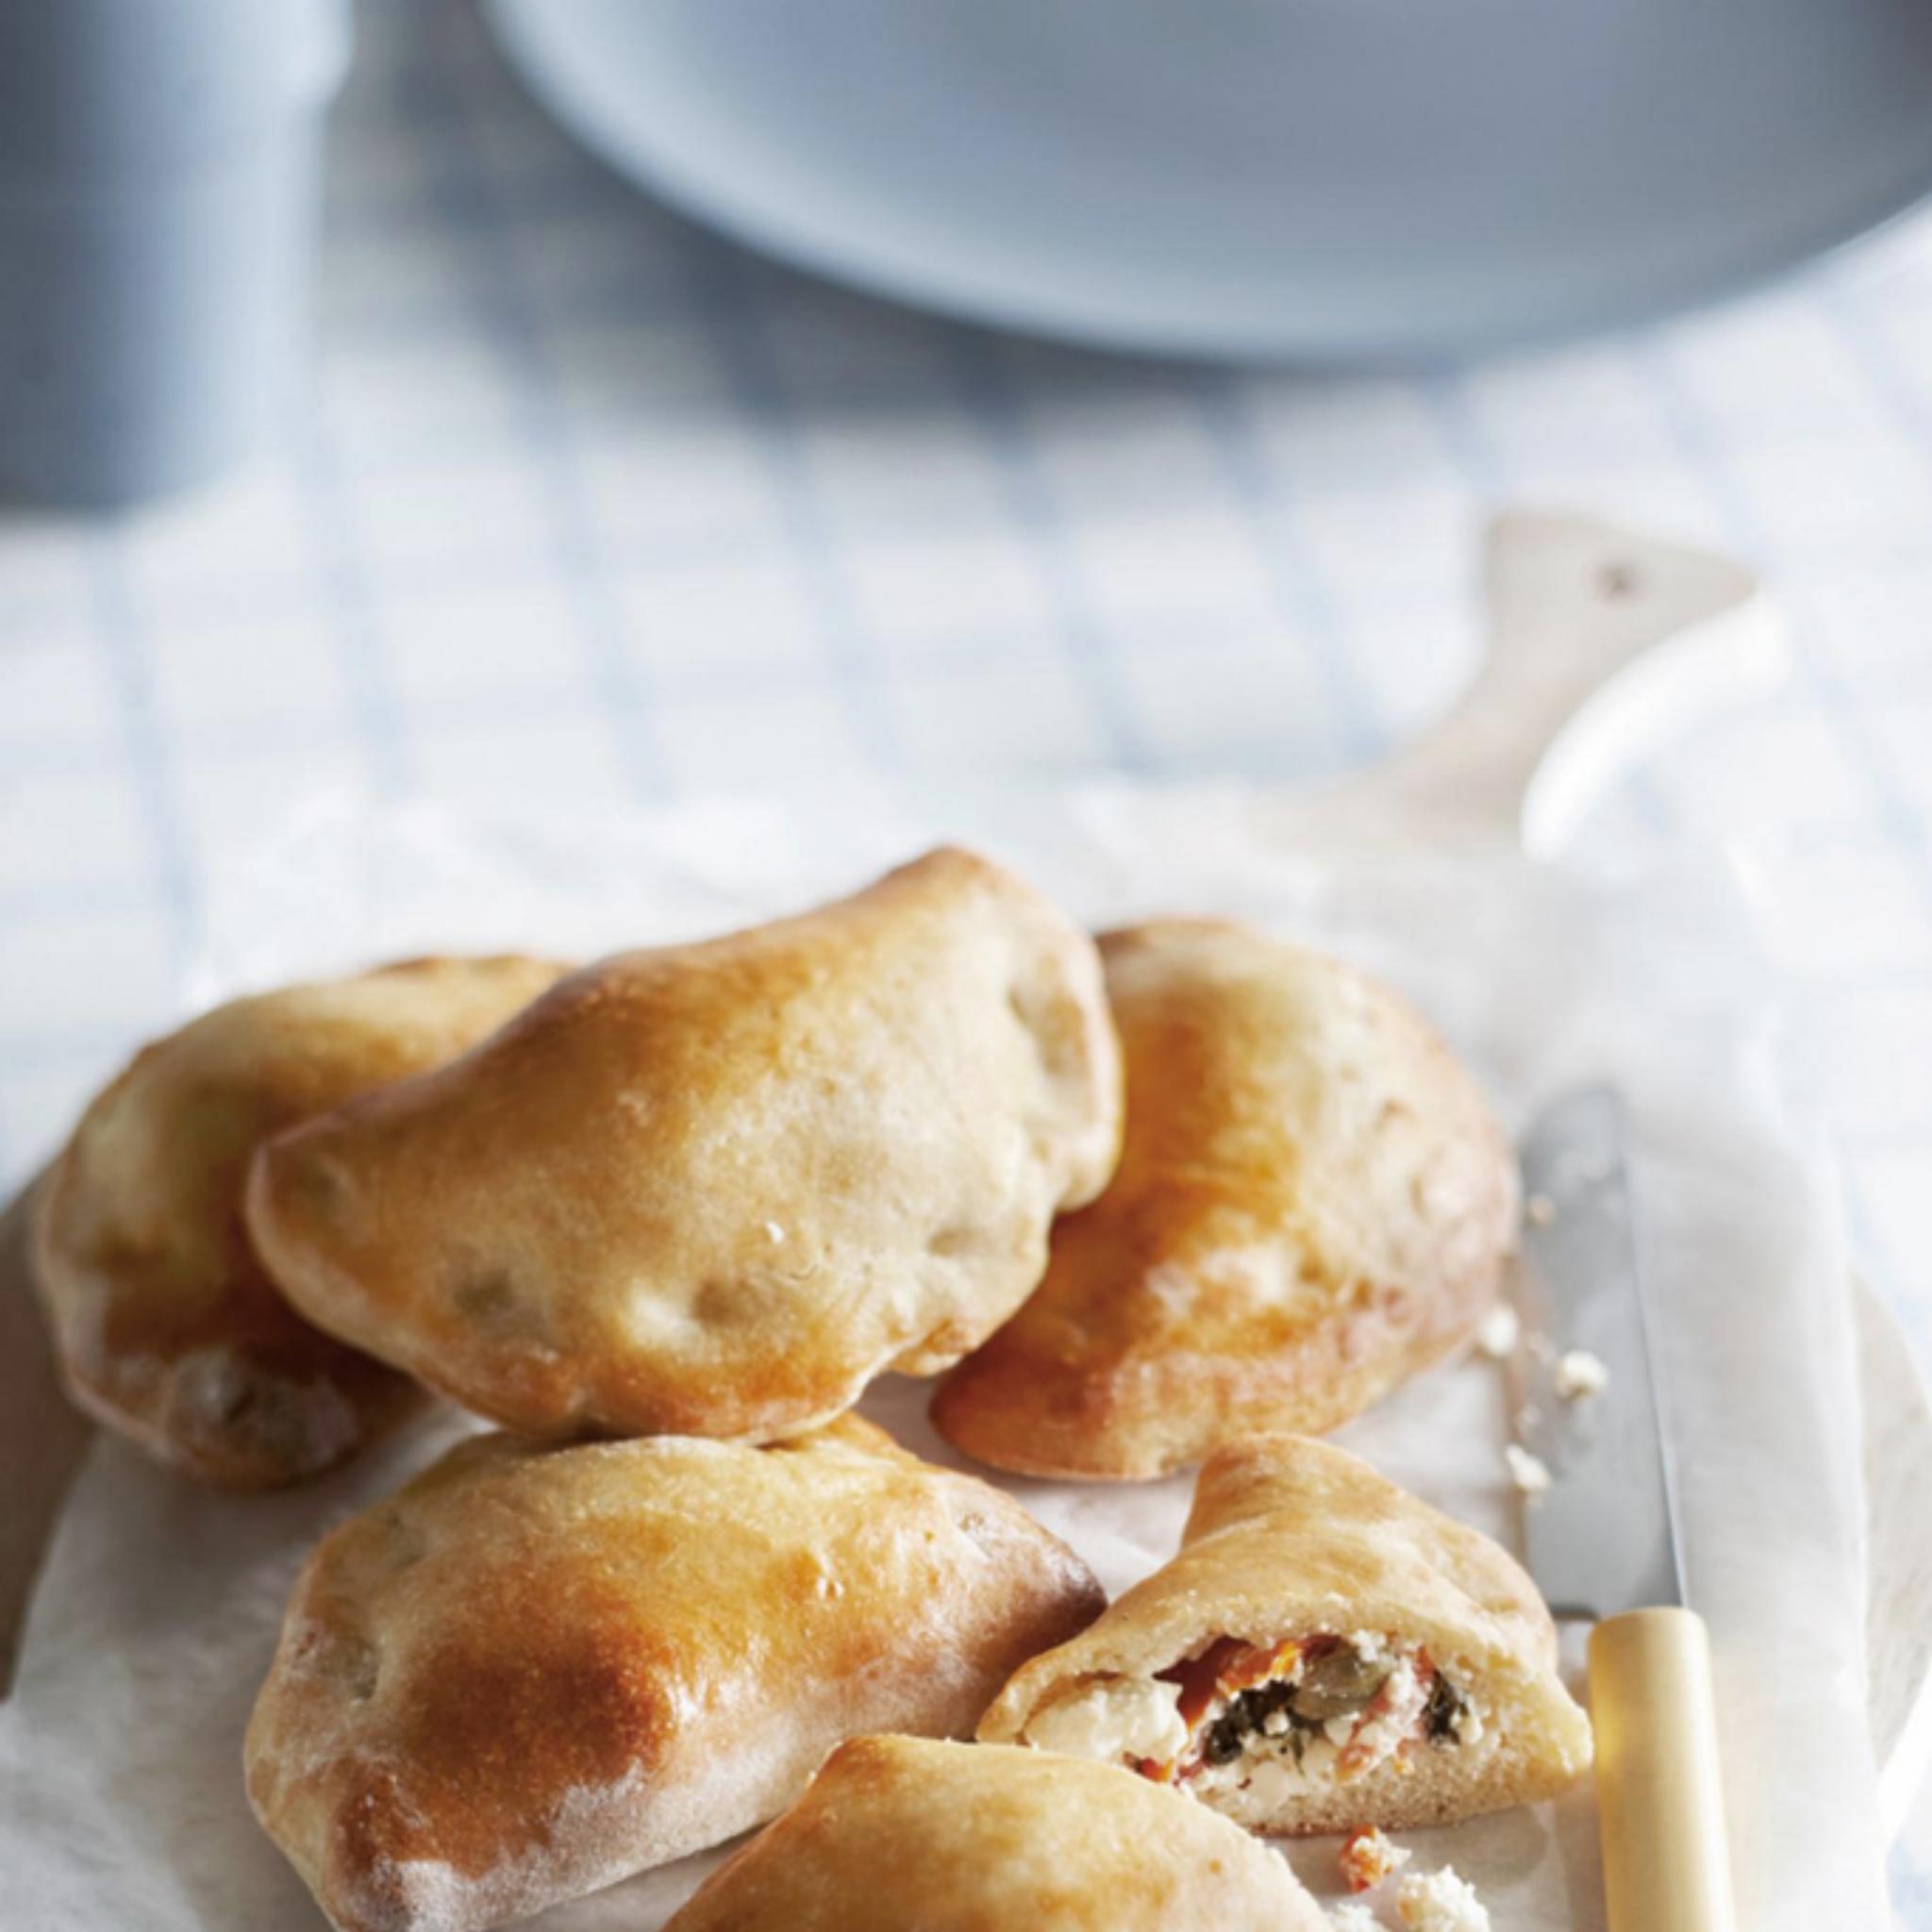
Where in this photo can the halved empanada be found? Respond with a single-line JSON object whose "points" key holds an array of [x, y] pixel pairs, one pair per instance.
{"points": [[899, 1835], [166, 1325], [534, 1670], [713, 1188], [1313, 1203], [1325, 1652]]}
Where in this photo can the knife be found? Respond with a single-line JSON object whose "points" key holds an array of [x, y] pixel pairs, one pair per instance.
{"points": [[1603, 1538]]}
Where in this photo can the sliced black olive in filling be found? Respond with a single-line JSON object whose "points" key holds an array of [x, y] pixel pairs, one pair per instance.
{"points": [[1339, 1683], [1226, 1737], [1330, 1680], [1442, 1713]]}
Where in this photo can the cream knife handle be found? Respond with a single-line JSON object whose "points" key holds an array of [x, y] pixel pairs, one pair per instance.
{"points": [[1659, 1798]]}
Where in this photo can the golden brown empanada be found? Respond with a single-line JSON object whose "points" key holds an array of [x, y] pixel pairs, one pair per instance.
{"points": [[1313, 1203], [902, 1835], [166, 1327], [713, 1188], [1325, 1652], [536, 1670]]}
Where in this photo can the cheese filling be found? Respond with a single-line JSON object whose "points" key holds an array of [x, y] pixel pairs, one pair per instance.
{"points": [[1268, 1720], [1441, 1902], [1113, 1717]]}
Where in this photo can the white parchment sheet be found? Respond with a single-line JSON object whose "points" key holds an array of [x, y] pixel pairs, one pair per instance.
{"points": [[120, 1799]]}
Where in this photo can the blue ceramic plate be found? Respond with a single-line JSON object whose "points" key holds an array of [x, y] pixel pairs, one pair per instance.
{"points": [[1309, 179]]}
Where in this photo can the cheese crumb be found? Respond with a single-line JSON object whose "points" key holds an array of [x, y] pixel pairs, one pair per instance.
{"points": [[1354, 1918], [1530, 1473], [1580, 1376], [1367, 1857], [774, 1233], [1539, 1210], [1439, 1902], [1498, 1335]]}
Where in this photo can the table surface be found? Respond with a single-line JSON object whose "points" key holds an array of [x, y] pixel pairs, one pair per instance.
{"points": [[589, 509]]}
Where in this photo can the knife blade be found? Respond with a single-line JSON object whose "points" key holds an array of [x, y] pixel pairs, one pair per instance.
{"points": [[1604, 1538]]}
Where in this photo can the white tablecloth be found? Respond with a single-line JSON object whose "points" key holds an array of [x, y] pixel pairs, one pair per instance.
{"points": [[590, 509]]}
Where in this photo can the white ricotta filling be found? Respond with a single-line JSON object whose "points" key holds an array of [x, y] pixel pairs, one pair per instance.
{"points": [[1502, 1328], [1113, 1717], [1530, 1473], [1270, 1767], [1369, 1857], [1371, 1646], [1580, 1375], [1280, 1762], [1439, 1902]]}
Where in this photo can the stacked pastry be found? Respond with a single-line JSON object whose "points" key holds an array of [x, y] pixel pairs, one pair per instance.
{"points": [[1183, 1196]]}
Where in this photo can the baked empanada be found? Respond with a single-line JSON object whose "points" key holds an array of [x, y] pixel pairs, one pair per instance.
{"points": [[166, 1327], [901, 1834], [1313, 1202], [1325, 1652], [536, 1670], [713, 1188]]}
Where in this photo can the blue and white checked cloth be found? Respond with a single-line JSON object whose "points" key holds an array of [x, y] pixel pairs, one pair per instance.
{"points": [[592, 510]]}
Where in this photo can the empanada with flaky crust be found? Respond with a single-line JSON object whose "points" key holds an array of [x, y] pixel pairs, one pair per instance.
{"points": [[899, 1833], [166, 1325], [537, 1670], [1325, 1652], [714, 1189], [1313, 1202]]}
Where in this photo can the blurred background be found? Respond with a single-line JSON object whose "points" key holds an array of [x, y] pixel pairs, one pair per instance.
{"points": [[529, 490]]}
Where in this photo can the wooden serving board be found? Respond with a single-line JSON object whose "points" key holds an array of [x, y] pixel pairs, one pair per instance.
{"points": [[1599, 644]]}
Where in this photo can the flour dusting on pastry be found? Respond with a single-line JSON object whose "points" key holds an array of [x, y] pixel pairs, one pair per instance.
{"points": [[536, 1670], [583, 1846]]}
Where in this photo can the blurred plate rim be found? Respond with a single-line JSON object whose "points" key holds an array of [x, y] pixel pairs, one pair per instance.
{"points": [[542, 42]]}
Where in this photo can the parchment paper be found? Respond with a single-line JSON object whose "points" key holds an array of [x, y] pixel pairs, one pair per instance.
{"points": [[120, 1800]]}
